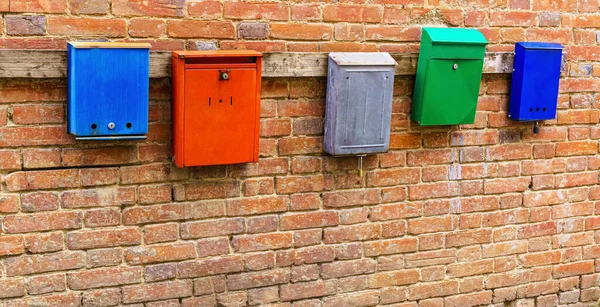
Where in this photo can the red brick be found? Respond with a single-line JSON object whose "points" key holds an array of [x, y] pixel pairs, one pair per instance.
{"points": [[44, 242], [468, 237], [102, 297], [198, 268], [43, 221], [12, 288], [433, 224], [214, 228], [207, 190], [351, 13], [160, 233], [104, 278], [157, 291], [99, 176], [309, 31], [396, 278], [88, 239], [40, 180], [309, 220], [243, 10], [571, 269], [38, 6], [258, 279], [249, 206], [160, 253], [206, 8], [11, 245], [99, 156], [89, 7], [359, 232], [105, 257], [306, 290], [72, 26], [38, 114], [172, 8], [173, 212], [33, 264], [46, 284], [9, 203], [200, 29], [395, 246], [10, 160], [39, 201], [262, 242]]}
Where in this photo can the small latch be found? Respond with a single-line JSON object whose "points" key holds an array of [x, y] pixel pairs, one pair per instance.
{"points": [[224, 75]]}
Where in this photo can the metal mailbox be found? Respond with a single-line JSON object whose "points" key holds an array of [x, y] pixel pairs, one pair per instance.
{"points": [[359, 103], [108, 90], [448, 76], [535, 79], [216, 107]]}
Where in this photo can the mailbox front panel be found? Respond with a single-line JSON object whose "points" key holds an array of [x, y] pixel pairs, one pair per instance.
{"points": [[108, 93], [219, 116], [359, 103], [216, 107], [364, 112], [535, 82], [451, 90]]}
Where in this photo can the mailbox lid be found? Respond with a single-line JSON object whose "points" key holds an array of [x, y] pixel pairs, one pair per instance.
{"points": [[539, 46], [108, 83], [454, 43], [362, 59], [535, 81]]}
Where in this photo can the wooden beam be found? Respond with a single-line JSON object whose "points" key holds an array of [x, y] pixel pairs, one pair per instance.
{"points": [[53, 64]]}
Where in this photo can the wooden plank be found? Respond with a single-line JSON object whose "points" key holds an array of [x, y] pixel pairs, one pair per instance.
{"points": [[53, 64]]}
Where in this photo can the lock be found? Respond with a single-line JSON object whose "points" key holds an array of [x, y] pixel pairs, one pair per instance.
{"points": [[111, 126], [455, 66], [224, 75]]}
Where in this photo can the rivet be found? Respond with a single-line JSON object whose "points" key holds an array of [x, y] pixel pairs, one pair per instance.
{"points": [[111, 126]]}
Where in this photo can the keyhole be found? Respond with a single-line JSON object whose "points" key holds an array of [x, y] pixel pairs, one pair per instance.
{"points": [[209, 101], [230, 100], [455, 66]]}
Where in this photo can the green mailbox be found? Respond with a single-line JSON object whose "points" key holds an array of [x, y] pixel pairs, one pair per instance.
{"points": [[448, 76]]}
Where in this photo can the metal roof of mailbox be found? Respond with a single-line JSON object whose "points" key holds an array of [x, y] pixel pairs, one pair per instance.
{"points": [[362, 58], [454, 35], [544, 46]]}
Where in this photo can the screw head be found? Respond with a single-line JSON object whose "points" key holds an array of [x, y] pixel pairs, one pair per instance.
{"points": [[111, 126], [455, 66]]}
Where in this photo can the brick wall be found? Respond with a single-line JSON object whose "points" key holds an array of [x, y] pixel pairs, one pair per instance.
{"points": [[452, 216]]}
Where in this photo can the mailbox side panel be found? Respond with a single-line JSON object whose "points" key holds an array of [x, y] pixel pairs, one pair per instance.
{"points": [[424, 57], [363, 110], [331, 107], [536, 84], [177, 113], [109, 86]]}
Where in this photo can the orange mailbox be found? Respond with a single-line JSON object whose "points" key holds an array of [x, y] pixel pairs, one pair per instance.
{"points": [[216, 107]]}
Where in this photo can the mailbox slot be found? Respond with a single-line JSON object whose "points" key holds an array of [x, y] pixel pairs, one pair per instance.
{"points": [[448, 76], [535, 81], [108, 90], [359, 103], [216, 107]]}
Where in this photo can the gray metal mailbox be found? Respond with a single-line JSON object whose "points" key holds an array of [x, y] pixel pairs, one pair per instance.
{"points": [[359, 102]]}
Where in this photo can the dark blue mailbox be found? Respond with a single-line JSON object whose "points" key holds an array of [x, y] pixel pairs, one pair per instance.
{"points": [[108, 90], [535, 79]]}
